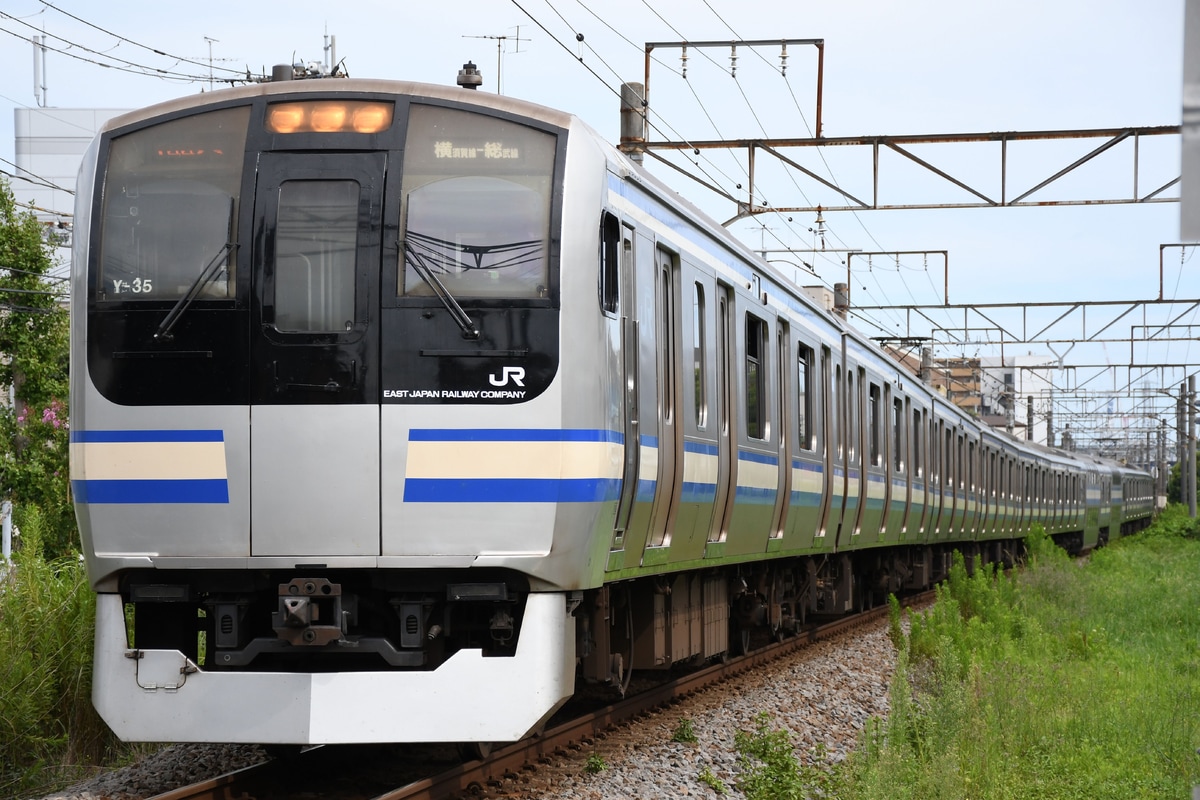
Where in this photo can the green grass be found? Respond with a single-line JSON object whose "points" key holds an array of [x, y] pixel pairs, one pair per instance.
{"points": [[1065, 681], [49, 733], [684, 732], [769, 769]]}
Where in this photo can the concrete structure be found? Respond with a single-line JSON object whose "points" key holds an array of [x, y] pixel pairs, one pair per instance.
{"points": [[49, 145], [994, 390], [1010, 382]]}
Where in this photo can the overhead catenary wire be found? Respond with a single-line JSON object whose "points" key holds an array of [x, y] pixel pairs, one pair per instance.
{"points": [[121, 65], [37, 179], [42, 275], [820, 153], [580, 37], [155, 50]]}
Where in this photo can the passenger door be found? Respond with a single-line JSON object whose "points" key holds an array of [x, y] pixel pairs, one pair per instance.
{"points": [[314, 417]]}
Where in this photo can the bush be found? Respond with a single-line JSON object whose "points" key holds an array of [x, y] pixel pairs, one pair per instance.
{"points": [[48, 728], [769, 767], [1067, 680]]}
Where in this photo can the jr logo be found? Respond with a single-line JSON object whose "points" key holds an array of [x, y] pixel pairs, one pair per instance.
{"points": [[516, 374]]}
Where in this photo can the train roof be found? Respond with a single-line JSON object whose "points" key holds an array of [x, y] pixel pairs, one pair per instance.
{"points": [[335, 86]]}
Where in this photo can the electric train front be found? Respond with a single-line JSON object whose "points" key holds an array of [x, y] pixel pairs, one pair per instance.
{"points": [[298, 306]]}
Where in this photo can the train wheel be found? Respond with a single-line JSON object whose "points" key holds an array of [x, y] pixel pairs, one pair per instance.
{"points": [[474, 751]]}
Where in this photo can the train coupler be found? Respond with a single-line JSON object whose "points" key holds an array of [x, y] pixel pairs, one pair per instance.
{"points": [[310, 612]]}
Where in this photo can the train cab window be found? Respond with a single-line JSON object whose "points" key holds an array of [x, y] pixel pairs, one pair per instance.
{"points": [[476, 204], [756, 375], [804, 365], [170, 209], [316, 241]]}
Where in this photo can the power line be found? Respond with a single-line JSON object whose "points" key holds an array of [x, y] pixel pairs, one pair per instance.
{"points": [[49, 184], [34, 274], [131, 67], [154, 50]]}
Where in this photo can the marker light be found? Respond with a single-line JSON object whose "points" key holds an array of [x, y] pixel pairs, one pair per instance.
{"points": [[329, 116]]}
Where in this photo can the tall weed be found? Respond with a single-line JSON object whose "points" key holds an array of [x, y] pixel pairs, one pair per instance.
{"points": [[1071, 679], [770, 769], [48, 728]]}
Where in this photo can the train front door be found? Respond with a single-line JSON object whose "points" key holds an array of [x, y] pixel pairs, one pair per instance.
{"points": [[314, 417]]}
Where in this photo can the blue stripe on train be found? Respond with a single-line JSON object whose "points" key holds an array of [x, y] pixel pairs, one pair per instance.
{"points": [[510, 490], [208, 490], [147, 436], [513, 435]]}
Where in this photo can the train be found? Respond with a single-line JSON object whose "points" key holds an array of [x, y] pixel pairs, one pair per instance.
{"points": [[400, 412]]}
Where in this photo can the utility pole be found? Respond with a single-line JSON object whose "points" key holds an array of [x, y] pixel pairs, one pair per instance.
{"points": [[1160, 485], [210, 41], [500, 40], [1180, 439], [331, 52], [1191, 440], [39, 71]]}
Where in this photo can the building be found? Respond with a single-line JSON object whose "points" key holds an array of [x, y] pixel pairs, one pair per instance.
{"points": [[49, 147]]}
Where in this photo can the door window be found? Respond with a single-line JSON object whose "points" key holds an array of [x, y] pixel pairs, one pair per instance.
{"points": [[315, 244]]}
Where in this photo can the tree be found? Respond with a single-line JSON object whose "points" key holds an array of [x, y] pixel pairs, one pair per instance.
{"points": [[1174, 479], [34, 436]]}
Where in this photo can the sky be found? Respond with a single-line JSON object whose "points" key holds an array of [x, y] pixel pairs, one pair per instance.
{"points": [[890, 68]]}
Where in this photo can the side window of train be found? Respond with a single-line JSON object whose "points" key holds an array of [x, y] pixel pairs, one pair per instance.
{"points": [[827, 417], [898, 434], [851, 419], [699, 357], [947, 456], [836, 412], [756, 376], [960, 464], [804, 400], [610, 264], [875, 442], [971, 466], [917, 432]]}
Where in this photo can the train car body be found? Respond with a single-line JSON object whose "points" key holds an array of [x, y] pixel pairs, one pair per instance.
{"points": [[398, 409]]}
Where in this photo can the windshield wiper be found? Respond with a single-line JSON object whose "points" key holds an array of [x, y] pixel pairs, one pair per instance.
{"points": [[469, 329], [206, 275]]}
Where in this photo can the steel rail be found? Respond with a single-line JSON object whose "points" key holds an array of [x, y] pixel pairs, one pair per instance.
{"points": [[271, 779]]}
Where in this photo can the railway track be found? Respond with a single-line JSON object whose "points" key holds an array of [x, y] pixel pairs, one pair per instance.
{"points": [[332, 772]]}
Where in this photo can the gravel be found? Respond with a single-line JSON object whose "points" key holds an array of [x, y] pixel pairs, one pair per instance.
{"points": [[170, 768], [823, 694]]}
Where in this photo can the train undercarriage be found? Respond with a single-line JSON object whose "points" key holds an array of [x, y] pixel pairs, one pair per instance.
{"points": [[658, 622], [420, 654], [355, 621]]}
